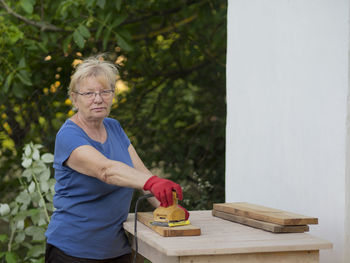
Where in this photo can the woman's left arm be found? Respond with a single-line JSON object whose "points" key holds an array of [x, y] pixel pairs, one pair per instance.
{"points": [[139, 165]]}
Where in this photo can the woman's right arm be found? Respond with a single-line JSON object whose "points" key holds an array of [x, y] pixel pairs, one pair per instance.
{"points": [[87, 160]]}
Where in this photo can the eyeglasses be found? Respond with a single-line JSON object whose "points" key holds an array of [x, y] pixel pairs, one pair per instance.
{"points": [[105, 94]]}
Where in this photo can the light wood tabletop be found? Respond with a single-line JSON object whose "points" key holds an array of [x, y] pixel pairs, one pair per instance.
{"points": [[225, 241]]}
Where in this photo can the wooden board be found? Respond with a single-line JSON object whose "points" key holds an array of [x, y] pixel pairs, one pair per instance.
{"points": [[271, 227], [147, 217], [265, 214]]}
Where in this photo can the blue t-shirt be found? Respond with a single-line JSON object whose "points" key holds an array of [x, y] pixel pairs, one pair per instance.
{"points": [[89, 215]]}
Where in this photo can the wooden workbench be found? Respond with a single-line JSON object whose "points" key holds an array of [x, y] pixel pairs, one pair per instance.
{"points": [[223, 241]]}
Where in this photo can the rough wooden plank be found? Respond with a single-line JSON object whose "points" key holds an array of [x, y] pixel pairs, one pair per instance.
{"points": [[277, 257], [189, 230], [271, 227], [265, 214]]}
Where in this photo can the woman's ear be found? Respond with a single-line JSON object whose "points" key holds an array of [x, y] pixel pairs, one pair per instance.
{"points": [[74, 101]]}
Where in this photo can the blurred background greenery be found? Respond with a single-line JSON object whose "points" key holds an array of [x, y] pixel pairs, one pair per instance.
{"points": [[171, 95]]}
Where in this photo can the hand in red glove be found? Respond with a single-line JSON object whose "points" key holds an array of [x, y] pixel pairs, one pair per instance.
{"points": [[162, 189], [187, 214]]}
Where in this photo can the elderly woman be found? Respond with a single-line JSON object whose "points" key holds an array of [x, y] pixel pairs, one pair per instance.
{"points": [[96, 170]]}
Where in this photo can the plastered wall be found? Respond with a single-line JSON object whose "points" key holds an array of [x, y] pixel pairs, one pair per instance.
{"points": [[287, 111]]}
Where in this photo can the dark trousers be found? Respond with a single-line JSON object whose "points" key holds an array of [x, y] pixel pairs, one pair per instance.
{"points": [[55, 255]]}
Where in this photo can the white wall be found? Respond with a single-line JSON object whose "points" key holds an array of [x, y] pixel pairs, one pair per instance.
{"points": [[287, 88]]}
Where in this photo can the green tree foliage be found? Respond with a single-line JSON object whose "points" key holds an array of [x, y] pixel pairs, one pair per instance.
{"points": [[171, 99]]}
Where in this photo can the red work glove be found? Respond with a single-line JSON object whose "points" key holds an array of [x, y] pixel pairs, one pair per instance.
{"points": [[162, 189], [187, 214]]}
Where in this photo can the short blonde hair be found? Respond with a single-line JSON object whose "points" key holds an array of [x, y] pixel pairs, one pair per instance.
{"points": [[97, 67]]}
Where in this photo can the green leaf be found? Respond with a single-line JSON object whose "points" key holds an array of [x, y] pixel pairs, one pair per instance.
{"points": [[44, 176], [89, 3], [10, 257], [84, 31], [43, 47], [120, 19], [40, 260], [124, 34], [44, 186], [18, 90], [101, 3], [52, 183], [42, 217], [8, 82], [20, 237], [38, 167], [26, 162], [123, 43], [27, 150], [31, 187], [99, 30], [22, 63], [27, 5], [20, 225], [3, 238], [23, 77], [118, 4], [35, 197], [36, 251], [27, 174], [78, 39], [38, 233], [66, 43], [4, 209], [23, 198], [36, 154], [102, 25], [47, 158], [106, 38]]}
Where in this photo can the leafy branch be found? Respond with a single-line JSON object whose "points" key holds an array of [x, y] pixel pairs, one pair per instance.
{"points": [[28, 214], [44, 26]]}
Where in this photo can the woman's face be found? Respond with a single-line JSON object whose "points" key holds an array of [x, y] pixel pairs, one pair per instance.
{"points": [[93, 99]]}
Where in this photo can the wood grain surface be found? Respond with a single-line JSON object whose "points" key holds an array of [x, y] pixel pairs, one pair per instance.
{"points": [[265, 214], [147, 217], [271, 227], [222, 237]]}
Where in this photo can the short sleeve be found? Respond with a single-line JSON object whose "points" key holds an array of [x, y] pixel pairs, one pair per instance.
{"points": [[67, 139]]}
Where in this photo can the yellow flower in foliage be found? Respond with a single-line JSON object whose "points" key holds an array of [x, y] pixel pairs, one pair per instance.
{"points": [[46, 91], [68, 102], [7, 128], [41, 120], [76, 62], [53, 88], [4, 116], [70, 113], [57, 84], [8, 144], [59, 115]]}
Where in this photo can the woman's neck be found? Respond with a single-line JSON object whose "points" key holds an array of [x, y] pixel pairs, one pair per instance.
{"points": [[93, 128], [89, 124]]}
